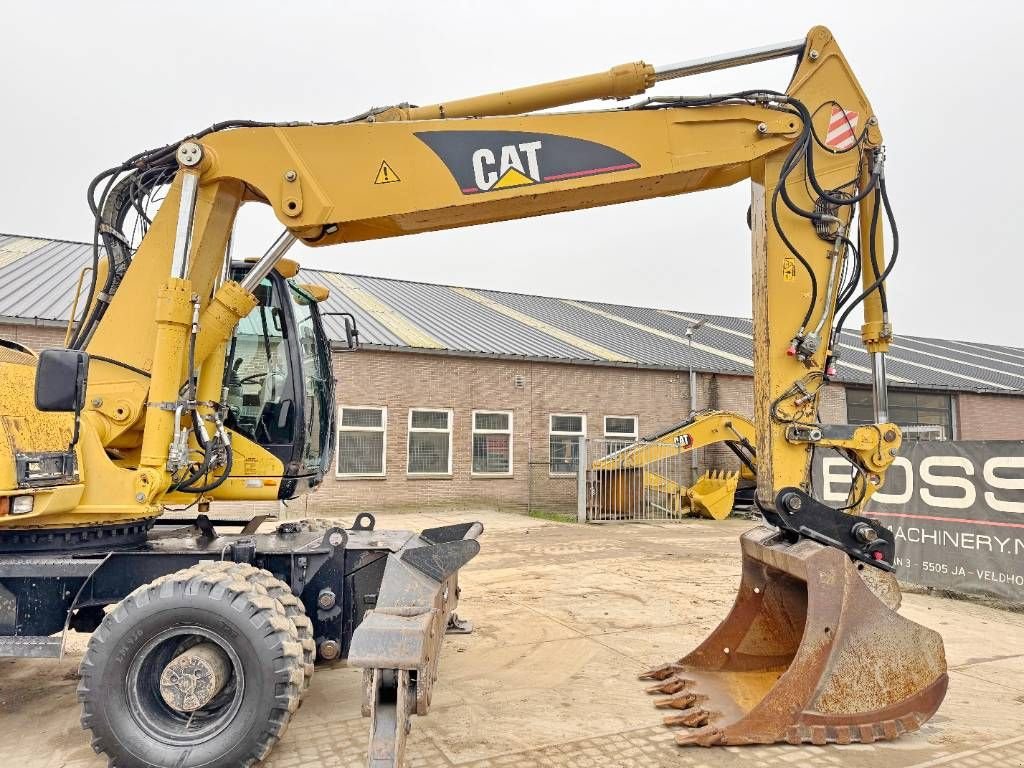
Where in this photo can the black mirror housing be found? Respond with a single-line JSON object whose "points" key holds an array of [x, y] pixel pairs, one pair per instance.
{"points": [[351, 332], [61, 380]]}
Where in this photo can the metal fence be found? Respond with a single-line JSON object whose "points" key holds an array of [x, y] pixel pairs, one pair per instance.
{"points": [[633, 480]]}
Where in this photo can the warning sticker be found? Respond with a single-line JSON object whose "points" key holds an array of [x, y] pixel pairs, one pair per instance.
{"points": [[789, 269], [842, 126], [386, 174]]}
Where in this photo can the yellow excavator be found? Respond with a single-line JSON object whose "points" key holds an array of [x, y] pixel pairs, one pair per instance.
{"points": [[627, 480], [191, 377]]}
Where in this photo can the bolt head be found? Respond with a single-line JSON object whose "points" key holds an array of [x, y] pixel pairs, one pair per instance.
{"points": [[813, 55], [794, 503], [889, 435], [140, 497], [762, 128], [290, 175], [326, 599], [97, 402]]}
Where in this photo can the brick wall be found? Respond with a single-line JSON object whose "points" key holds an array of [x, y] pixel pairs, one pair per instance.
{"points": [[531, 390], [33, 336], [990, 417]]}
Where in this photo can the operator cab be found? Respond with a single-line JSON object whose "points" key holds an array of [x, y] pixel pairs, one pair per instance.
{"points": [[278, 380]]}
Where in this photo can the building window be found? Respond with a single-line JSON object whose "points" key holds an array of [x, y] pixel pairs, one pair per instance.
{"points": [[362, 438], [925, 411], [492, 443], [566, 431], [430, 442], [619, 431]]}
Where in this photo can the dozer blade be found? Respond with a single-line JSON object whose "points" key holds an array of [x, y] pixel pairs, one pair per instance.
{"points": [[812, 651], [398, 643], [713, 494]]}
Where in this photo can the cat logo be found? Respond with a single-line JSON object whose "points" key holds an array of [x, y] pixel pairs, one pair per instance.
{"points": [[491, 161], [508, 169]]}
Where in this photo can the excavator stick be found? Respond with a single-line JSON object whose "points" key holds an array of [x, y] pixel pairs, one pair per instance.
{"points": [[812, 651], [398, 643], [714, 494]]}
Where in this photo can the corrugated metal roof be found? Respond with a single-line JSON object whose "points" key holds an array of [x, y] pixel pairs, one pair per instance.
{"points": [[38, 278]]}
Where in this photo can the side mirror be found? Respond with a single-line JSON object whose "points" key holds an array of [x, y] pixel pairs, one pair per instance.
{"points": [[351, 332], [61, 377]]}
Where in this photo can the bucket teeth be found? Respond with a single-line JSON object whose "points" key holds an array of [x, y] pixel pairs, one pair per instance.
{"points": [[670, 686], [682, 701], [660, 673], [705, 736], [693, 717]]}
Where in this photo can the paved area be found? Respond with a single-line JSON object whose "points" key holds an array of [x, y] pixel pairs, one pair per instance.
{"points": [[566, 617]]}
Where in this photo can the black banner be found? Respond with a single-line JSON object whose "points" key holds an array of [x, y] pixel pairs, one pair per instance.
{"points": [[956, 508]]}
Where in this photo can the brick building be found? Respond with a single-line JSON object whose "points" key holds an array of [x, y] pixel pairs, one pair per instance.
{"points": [[469, 397]]}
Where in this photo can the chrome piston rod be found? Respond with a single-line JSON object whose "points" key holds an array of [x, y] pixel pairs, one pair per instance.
{"points": [[728, 60], [268, 260], [879, 387]]}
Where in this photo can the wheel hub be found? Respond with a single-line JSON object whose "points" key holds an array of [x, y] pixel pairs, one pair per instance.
{"points": [[193, 679]]}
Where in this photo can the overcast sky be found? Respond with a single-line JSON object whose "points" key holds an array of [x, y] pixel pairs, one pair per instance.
{"points": [[85, 85]]}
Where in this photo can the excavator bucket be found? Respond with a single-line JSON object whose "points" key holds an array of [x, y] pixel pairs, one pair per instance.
{"points": [[813, 650], [713, 494]]}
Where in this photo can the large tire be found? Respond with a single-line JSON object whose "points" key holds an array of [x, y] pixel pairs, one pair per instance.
{"points": [[120, 673], [292, 606]]}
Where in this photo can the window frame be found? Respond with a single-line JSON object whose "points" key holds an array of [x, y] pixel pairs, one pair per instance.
{"points": [[551, 432], [894, 395], [473, 432], [410, 429], [383, 429], [633, 436]]}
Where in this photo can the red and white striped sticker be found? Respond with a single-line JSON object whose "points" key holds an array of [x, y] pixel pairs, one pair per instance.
{"points": [[841, 128]]}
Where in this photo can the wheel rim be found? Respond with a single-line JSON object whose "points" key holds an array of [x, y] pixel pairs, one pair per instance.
{"points": [[154, 715]]}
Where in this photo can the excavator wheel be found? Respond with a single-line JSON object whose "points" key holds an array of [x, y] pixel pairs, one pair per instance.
{"points": [[198, 668], [291, 606]]}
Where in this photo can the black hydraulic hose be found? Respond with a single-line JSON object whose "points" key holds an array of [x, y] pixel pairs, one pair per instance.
{"points": [[90, 197], [202, 469], [884, 194], [813, 302], [873, 253], [217, 481], [805, 115], [847, 290], [190, 393]]}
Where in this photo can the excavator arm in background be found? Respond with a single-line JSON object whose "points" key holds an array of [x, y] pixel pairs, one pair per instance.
{"points": [[642, 472], [813, 649]]}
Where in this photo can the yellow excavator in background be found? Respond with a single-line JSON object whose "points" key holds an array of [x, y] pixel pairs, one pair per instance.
{"points": [[625, 481], [191, 378]]}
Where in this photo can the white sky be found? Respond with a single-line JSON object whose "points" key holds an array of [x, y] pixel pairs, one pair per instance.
{"points": [[87, 84]]}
